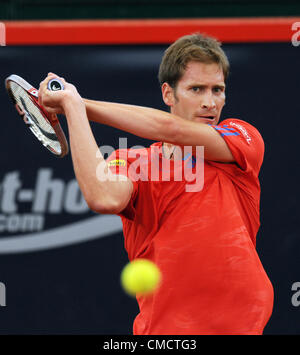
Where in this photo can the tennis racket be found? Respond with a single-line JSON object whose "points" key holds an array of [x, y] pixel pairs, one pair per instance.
{"points": [[43, 125]]}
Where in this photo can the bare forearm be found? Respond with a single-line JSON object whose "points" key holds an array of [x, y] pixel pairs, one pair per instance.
{"points": [[142, 121], [160, 126], [87, 158]]}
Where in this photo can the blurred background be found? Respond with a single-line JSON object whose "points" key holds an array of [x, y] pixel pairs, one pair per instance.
{"points": [[60, 262]]}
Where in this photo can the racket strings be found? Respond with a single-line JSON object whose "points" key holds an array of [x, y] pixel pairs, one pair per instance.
{"points": [[35, 120]]}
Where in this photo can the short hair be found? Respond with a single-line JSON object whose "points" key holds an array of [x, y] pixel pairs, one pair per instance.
{"points": [[194, 47]]}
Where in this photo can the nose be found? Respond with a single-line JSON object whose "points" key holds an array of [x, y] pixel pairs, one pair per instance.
{"points": [[208, 102]]}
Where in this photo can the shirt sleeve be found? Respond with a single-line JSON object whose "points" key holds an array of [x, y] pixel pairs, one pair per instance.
{"points": [[245, 143], [119, 163]]}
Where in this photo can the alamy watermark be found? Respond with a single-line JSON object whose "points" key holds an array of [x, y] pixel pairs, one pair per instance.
{"points": [[296, 35], [296, 296], [2, 34], [2, 295], [146, 165]]}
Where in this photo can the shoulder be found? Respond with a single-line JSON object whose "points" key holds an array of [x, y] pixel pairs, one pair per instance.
{"points": [[243, 128], [245, 143], [128, 156]]}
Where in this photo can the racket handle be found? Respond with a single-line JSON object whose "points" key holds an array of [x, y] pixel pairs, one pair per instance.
{"points": [[55, 85]]}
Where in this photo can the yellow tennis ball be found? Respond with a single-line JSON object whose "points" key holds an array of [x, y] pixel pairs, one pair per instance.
{"points": [[140, 276]]}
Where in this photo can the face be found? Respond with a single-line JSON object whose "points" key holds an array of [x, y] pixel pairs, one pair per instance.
{"points": [[199, 95]]}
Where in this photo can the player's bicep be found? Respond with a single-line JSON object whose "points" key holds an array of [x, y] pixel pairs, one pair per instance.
{"points": [[215, 147], [126, 206], [199, 134], [127, 188]]}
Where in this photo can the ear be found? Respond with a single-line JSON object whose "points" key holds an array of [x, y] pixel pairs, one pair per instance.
{"points": [[168, 94]]}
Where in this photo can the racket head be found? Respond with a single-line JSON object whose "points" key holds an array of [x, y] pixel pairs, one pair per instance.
{"points": [[43, 125]]}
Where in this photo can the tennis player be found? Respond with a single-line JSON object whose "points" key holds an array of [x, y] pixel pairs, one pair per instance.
{"points": [[204, 240]]}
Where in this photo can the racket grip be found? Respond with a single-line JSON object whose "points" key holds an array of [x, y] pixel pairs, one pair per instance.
{"points": [[55, 85]]}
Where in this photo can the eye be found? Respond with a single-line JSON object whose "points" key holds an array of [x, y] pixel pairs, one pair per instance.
{"points": [[218, 89], [195, 89]]}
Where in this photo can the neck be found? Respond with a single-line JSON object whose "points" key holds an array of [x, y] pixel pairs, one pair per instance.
{"points": [[168, 150]]}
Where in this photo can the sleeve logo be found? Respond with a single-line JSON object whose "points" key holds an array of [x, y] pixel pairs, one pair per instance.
{"points": [[117, 162], [242, 130]]}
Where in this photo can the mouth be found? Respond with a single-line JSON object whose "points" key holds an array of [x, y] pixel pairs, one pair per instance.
{"points": [[211, 118]]}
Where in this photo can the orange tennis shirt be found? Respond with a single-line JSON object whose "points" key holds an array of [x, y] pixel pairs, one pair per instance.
{"points": [[203, 241]]}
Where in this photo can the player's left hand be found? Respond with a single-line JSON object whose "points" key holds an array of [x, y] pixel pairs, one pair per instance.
{"points": [[53, 101]]}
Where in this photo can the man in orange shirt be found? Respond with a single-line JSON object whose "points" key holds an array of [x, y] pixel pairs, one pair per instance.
{"points": [[203, 240]]}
